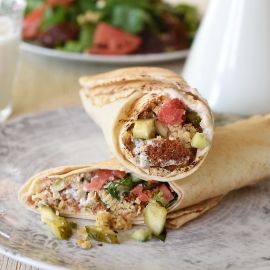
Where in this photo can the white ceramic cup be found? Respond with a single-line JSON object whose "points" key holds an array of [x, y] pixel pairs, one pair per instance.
{"points": [[229, 62]]}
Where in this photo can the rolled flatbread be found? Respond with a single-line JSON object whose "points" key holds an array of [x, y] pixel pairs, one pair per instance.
{"points": [[155, 124], [84, 191], [240, 156]]}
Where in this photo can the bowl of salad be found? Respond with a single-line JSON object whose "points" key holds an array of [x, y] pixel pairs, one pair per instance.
{"points": [[112, 31]]}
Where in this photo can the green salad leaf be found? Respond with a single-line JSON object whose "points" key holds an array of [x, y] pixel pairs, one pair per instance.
{"points": [[86, 35], [85, 5], [129, 18], [84, 42], [132, 16], [190, 16], [144, 18], [53, 16]]}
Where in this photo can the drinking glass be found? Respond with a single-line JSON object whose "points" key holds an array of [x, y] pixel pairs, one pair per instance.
{"points": [[10, 29]]}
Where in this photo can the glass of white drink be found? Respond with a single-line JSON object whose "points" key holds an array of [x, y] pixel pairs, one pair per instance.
{"points": [[11, 12]]}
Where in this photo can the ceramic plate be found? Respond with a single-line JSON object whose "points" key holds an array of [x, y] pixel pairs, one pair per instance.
{"points": [[125, 59], [234, 235]]}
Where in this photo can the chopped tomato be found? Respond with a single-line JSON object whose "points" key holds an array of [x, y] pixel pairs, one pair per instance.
{"points": [[177, 103], [32, 21], [100, 178], [30, 201], [166, 193], [119, 174], [55, 3], [172, 112], [113, 41], [138, 191]]}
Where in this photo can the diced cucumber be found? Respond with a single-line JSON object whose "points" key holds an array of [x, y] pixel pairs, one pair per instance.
{"points": [[102, 234], [60, 228], [59, 185], [141, 235], [73, 225], [144, 129], [58, 225], [155, 217], [160, 199], [121, 189], [199, 140], [162, 130], [47, 213]]}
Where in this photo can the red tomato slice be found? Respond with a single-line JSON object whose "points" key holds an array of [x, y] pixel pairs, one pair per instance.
{"points": [[119, 174], [31, 23], [110, 40], [166, 193], [100, 178], [172, 112], [177, 103], [138, 191], [143, 197]]}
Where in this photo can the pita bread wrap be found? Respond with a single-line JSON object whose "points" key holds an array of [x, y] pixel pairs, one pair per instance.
{"points": [[240, 156], [35, 193], [160, 150]]}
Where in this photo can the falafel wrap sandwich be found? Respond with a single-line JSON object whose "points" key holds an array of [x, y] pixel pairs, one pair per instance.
{"points": [[154, 123], [240, 156]]}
